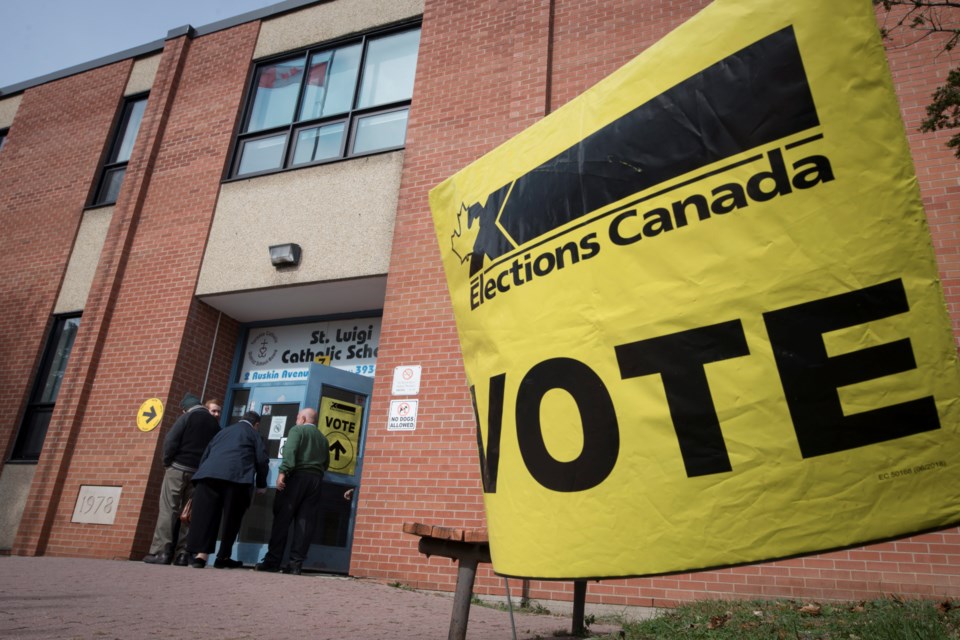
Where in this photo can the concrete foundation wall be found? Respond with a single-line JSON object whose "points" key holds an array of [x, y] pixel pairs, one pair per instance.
{"points": [[15, 482]]}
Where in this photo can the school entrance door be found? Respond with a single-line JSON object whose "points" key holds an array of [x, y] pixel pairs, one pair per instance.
{"points": [[342, 401]]}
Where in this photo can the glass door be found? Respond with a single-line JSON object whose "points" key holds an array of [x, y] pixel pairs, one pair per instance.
{"points": [[342, 401]]}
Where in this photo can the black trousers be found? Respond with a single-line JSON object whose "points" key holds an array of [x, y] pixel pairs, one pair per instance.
{"points": [[214, 500], [297, 504]]}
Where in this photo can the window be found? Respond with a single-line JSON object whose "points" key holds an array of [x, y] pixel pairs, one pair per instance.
{"points": [[328, 103], [36, 419], [3, 138], [111, 176]]}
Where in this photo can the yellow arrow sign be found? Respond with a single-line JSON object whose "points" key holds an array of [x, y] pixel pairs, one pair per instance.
{"points": [[150, 414]]}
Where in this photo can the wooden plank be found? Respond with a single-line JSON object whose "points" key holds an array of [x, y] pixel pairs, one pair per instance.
{"points": [[447, 533], [475, 535], [417, 528]]}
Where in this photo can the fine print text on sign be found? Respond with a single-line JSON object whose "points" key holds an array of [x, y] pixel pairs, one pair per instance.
{"points": [[406, 380], [739, 236]]}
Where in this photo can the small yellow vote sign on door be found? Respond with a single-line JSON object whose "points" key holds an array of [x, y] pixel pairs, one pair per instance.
{"points": [[340, 422]]}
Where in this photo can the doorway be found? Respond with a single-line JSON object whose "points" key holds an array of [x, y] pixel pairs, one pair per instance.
{"points": [[342, 401]]}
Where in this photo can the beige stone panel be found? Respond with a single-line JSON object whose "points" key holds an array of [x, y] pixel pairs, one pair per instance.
{"points": [[83, 260], [8, 108], [330, 20], [341, 214], [142, 75], [14, 486]]}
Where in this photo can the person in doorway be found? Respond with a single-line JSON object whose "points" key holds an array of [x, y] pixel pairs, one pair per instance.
{"points": [[235, 460], [306, 456], [182, 448], [215, 407]]}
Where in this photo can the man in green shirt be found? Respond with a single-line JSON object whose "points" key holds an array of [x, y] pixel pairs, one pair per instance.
{"points": [[306, 455]]}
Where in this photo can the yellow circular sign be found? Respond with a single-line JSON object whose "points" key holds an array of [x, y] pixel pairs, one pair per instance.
{"points": [[150, 414]]}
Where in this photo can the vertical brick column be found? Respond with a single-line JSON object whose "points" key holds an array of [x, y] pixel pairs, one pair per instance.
{"points": [[144, 334], [481, 78], [67, 419], [48, 165]]}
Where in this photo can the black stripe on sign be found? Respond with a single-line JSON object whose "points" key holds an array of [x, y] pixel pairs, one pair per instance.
{"points": [[752, 97]]}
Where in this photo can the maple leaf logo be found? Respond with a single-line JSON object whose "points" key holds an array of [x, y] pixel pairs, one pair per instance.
{"points": [[464, 238]]}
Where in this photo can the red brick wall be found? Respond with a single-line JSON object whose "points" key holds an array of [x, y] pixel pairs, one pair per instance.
{"points": [[486, 71], [48, 166], [431, 474], [144, 334], [917, 70]]}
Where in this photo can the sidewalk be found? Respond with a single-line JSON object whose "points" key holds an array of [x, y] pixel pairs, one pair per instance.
{"points": [[105, 599]]}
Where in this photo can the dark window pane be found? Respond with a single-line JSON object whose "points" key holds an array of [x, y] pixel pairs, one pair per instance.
{"points": [[381, 131], [261, 154], [58, 358], [128, 134], [124, 138], [240, 399], [389, 69], [277, 88], [32, 433], [333, 517], [33, 428], [110, 187], [318, 143]]}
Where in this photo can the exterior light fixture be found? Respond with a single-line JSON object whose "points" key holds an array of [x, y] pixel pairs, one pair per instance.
{"points": [[285, 255]]}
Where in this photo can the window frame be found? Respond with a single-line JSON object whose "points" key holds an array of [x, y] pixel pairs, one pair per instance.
{"points": [[291, 130], [108, 166], [34, 405]]}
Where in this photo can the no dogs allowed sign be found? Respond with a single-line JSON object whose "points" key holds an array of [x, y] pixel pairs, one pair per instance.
{"points": [[699, 308], [403, 415]]}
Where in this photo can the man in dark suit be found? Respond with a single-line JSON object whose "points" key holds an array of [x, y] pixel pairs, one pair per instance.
{"points": [[233, 463], [182, 449]]}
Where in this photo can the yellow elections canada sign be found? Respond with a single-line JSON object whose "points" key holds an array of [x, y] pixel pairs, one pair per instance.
{"points": [[699, 308]]}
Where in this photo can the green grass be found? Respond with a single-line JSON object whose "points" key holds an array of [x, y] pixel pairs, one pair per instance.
{"points": [[535, 608], [892, 619]]}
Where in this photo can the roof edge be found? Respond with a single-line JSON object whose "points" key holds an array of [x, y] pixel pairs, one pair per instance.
{"points": [[157, 45]]}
